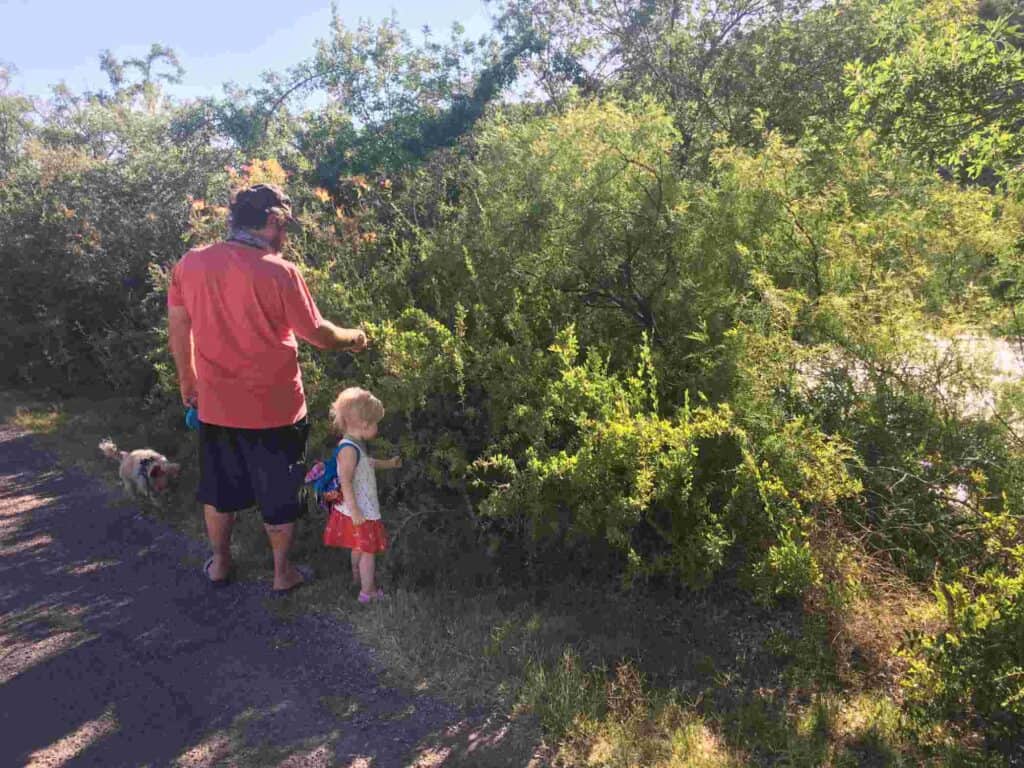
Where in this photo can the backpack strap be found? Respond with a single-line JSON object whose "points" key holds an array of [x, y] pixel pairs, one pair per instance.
{"points": [[349, 443]]}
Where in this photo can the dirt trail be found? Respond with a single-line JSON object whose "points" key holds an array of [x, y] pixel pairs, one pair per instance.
{"points": [[114, 652]]}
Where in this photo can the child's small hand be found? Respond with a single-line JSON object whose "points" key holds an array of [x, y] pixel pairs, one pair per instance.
{"points": [[357, 517], [395, 462]]}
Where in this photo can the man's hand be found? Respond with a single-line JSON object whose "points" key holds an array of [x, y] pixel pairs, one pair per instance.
{"points": [[189, 395], [359, 341]]}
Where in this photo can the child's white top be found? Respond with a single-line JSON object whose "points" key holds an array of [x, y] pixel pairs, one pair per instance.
{"points": [[364, 484]]}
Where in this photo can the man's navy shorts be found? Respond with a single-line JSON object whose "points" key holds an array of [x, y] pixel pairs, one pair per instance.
{"points": [[242, 468]]}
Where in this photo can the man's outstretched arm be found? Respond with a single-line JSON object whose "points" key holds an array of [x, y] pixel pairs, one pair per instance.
{"points": [[330, 336], [179, 336], [306, 321]]}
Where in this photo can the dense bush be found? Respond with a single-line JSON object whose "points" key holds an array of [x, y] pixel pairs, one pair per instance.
{"points": [[90, 203]]}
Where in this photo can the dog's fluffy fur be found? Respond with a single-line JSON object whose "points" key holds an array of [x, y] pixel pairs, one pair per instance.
{"points": [[155, 479]]}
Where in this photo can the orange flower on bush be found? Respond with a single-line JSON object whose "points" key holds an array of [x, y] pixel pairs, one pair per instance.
{"points": [[321, 194], [258, 171]]}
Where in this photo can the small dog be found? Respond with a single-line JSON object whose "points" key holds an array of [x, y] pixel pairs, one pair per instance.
{"points": [[143, 471]]}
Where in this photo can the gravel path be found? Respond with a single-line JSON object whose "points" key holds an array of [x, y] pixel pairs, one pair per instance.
{"points": [[114, 652]]}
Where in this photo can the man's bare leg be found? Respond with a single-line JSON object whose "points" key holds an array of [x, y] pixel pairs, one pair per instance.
{"points": [[218, 531], [286, 575]]}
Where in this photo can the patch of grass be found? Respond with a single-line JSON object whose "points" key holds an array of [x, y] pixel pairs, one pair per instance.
{"points": [[618, 721], [810, 658], [669, 737], [844, 730], [567, 693], [342, 707], [41, 421], [469, 651]]}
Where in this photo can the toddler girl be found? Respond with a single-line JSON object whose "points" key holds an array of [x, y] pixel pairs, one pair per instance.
{"points": [[354, 519]]}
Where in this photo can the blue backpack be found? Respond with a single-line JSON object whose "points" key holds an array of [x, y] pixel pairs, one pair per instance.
{"points": [[323, 476]]}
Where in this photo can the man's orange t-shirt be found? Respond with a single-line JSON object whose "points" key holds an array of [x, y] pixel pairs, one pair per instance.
{"points": [[246, 306]]}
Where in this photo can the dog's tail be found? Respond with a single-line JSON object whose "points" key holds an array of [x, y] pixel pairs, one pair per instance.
{"points": [[109, 450]]}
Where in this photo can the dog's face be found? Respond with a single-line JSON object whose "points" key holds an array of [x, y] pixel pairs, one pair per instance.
{"points": [[148, 471], [161, 474]]}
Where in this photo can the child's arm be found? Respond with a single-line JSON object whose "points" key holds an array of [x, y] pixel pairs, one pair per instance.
{"points": [[393, 463], [347, 460]]}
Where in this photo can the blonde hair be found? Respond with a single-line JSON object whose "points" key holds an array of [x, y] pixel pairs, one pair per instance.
{"points": [[357, 403]]}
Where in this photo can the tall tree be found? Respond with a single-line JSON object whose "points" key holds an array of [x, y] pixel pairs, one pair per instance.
{"points": [[14, 119], [390, 100], [716, 64], [140, 79]]}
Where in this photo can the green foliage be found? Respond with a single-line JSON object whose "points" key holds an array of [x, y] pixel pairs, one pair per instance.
{"points": [[582, 211], [715, 65], [947, 87], [391, 101], [15, 125], [91, 201], [788, 569], [147, 89], [625, 474], [977, 664]]}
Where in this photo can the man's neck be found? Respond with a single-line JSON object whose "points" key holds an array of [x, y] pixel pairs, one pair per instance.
{"points": [[248, 237]]}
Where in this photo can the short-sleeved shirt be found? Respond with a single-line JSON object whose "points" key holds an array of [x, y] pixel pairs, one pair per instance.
{"points": [[246, 306]]}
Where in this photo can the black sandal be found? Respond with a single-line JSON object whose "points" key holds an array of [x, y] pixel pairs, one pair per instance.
{"points": [[217, 583], [307, 578]]}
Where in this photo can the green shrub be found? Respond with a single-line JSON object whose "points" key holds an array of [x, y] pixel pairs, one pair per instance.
{"points": [[977, 665]]}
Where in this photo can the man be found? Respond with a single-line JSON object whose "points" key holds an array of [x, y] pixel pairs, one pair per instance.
{"points": [[235, 309]]}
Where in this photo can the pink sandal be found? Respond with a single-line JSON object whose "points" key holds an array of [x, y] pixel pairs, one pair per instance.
{"points": [[365, 599]]}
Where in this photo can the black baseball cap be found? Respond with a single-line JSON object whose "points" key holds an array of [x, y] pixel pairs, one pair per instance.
{"points": [[267, 198]]}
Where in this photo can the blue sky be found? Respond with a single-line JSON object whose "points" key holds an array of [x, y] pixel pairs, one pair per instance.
{"points": [[53, 40]]}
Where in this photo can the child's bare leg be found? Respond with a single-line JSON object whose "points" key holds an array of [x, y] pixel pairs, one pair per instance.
{"points": [[366, 572], [356, 554]]}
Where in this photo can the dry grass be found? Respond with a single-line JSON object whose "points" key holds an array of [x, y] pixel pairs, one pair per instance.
{"points": [[671, 737], [39, 421], [870, 609], [638, 727]]}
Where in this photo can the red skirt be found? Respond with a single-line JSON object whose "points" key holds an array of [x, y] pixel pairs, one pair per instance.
{"points": [[369, 537]]}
